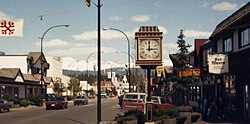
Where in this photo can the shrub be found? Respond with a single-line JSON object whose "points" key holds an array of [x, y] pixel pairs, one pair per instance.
{"points": [[131, 115], [36, 100], [25, 102], [165, 114]]}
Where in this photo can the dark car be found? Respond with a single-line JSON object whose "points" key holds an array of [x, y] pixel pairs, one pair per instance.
{"points": [[4, 105], [56, 102], [81, 100]]}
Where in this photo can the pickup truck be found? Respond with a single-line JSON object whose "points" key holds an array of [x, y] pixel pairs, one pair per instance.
{"points": [[136, 101], [160, 103]]}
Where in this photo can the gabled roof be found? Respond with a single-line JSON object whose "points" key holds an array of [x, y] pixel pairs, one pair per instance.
{"points": [[10, 72], [36, 56], [229, 21], [46, 80], [29, 77]]}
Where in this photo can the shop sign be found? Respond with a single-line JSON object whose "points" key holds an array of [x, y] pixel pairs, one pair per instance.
{"points": [[218, 63], [190, 72], [159, 70]]}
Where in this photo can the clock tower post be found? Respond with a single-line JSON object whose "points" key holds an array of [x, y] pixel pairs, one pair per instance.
{"points": [[148, 42]]}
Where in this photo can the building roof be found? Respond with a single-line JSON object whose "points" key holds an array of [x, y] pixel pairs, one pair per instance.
{"points": [[35, 57], [10, 72], [229, 21], [148, 31]]}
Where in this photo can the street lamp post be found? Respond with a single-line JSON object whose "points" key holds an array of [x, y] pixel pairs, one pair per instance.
{"points": [[87, 62], [42, 71], [128, 53], [98, 5], [129, 67]]}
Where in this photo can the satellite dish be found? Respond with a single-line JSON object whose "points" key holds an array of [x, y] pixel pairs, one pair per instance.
{"points": [[88, 2]]}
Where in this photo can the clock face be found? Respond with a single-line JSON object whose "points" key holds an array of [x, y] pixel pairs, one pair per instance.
{"points": [[149, 49]]}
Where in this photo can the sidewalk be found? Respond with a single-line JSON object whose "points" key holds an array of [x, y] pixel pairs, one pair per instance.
{"points": [[24, 108]]}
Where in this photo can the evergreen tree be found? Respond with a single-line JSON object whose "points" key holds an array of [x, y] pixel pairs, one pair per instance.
{"points": [[183, 51]]}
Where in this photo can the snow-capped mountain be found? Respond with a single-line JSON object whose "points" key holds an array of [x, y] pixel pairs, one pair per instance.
{"points": [[69, 63]]}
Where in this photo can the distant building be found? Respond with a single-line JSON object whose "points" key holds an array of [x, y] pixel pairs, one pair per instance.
{"points": [[20, 75]]}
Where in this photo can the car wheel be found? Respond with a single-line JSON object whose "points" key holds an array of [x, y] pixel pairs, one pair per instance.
{"points": [[48, 108], [1, 110], [8, 110]]}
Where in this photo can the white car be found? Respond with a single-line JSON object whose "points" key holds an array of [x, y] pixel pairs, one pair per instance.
{"points": [[103, 94]]}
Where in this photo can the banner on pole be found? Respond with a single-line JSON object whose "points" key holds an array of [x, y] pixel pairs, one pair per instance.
{"points": [[11, 27]]}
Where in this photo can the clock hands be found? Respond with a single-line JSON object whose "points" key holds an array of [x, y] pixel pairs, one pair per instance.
{"points": [[148, 46]]}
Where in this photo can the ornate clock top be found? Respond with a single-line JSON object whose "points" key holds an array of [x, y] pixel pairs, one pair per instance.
{"points": [[148, 46]]}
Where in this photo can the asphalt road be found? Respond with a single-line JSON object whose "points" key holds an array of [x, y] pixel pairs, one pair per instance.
{"points": [[85, 114]]}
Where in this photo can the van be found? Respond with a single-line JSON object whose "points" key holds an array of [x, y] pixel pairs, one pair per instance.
{"points": [[133, 101]]}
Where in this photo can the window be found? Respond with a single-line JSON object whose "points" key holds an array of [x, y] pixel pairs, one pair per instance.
{"points": [[228, 45], [244, 37]]}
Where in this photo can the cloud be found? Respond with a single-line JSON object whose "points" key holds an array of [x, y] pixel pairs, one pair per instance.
{"points": [[81, 45], [87, 35], [115, 18], [111, 34], [225, 6], [53, 43], [163, 29], [107, 35], [5, 16], [140, 18], [196, 34], [83, 51]]}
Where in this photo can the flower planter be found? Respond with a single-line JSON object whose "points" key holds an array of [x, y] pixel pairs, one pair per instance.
{"points": [[129, 122], [181, 120], [187, 115], [195, 117], [169, 121]]}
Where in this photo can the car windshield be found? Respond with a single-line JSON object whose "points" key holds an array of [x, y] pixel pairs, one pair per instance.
{"points": [[53, 99], [132, 96], [79, 97], [155, 100]]}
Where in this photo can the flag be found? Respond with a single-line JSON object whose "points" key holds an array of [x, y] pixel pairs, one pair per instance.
{"points": [[11, 27]]}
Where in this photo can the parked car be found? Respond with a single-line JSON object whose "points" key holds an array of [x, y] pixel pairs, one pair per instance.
{"points": [[103, 94], [160, 103], [4, 105], [83, 100], [91, 96], [56, 102], [133, 101]]}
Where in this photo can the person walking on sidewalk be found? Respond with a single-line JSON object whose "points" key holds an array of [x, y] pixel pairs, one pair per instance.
{"points": [[220, 108]]}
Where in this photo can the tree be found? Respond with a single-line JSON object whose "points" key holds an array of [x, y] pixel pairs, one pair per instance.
{"points": [[58, 87], [182, 63], [74, 85], [183, 51]]}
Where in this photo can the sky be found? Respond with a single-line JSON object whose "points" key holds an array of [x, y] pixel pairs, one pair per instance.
{"points": [[197, 19]]}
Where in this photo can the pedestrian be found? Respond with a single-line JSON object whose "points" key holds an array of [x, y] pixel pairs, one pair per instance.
{"points": [[220, 108], [199, 101]]}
